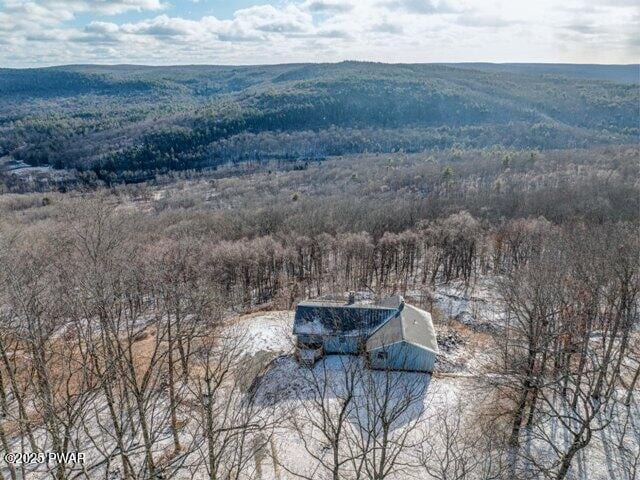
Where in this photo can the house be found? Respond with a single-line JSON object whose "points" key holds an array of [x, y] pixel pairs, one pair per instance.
{"points": [[390, 334]]}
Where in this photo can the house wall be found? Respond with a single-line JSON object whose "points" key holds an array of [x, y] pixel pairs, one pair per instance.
{"points": [[403, 356], [339, 344]]}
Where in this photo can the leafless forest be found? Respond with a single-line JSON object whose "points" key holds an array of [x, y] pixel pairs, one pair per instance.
{"points": [[119, 335]]}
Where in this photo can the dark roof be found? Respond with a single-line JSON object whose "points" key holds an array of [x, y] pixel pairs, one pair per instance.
{"points": [[331, 318]]}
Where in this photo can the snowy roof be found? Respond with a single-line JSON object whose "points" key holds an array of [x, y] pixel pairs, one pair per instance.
{"points": [[412, 325]]}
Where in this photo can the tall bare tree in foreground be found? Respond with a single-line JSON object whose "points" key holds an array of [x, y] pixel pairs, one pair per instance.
{"points": [[357, 423], [234, 428], [457, 445], [388, 413], [321, 416], [575, 343]]}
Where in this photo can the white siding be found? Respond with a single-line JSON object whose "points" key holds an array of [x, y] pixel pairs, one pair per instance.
{"points": [[402, 356]]}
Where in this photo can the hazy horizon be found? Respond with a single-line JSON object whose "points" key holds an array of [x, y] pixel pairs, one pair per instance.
{"points": [[173, 65], [39, 33]]}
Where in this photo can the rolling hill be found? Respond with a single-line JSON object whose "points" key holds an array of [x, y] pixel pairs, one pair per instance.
{"points": [[130, 122]]}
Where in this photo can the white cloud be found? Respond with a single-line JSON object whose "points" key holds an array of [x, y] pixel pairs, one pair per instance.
{"points": [[484, 20], [109, 7], [388, 27], [420, 7], [327, 6], [267, 18], [35, 32]]}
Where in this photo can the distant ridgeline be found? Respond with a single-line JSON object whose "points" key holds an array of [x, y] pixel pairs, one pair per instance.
{"points": [[132, 122]]}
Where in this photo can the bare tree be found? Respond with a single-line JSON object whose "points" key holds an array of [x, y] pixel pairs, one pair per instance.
{"points": [[233, 426], [388, 412], [321, 418], [533, 296], [457, 446]]}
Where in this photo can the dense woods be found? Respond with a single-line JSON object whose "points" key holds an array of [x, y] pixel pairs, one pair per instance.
{"points": [[114, 327], [128, 124]]}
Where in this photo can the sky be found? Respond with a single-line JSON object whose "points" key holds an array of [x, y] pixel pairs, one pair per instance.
{"points": [[169, 32]]}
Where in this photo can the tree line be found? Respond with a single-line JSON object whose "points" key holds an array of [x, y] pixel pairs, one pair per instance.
{"points": [[111, 340]]}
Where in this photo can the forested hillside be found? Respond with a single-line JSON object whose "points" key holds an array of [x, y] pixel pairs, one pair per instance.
{"points": [[159, 225], [149, 325], [613, 73], [129, 123]]}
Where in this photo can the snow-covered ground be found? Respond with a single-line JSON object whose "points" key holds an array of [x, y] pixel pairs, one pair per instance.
{"points": [[470, 314], [477, 305], [267, 331], [454, 389]]}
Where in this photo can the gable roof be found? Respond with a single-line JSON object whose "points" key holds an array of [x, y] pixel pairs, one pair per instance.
{"points": [[326, 318], [387, 333], [411, 325]]}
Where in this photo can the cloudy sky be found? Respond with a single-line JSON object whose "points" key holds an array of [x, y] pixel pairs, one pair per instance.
{"points": [[159, 32]]}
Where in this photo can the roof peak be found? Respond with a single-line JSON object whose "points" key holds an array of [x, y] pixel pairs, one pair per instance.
{"points": [[356, 300], [333, 304]]}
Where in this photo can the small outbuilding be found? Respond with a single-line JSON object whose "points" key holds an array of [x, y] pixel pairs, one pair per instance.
{"points": [[391, 334]]}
